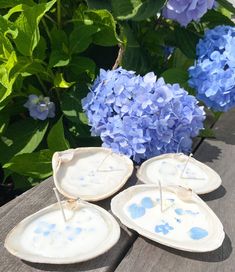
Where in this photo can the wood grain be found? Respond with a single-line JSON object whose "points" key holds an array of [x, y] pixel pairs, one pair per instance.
{"points": [[219, 154]]}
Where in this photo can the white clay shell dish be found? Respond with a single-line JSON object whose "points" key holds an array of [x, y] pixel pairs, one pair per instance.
{"points": [[92, 173], [44, 237], [185, 222], [179, 169]]}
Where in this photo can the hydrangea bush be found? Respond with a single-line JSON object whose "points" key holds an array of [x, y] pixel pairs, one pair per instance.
{"points": [[50, 62], [213, 75], [141, 116]]}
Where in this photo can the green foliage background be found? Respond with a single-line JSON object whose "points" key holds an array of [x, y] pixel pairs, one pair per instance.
{"points": [[56, 48]]}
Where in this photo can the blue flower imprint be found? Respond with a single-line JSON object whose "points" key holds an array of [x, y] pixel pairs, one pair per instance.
{"points": [[45, 228], [72, 232], [180, 211], [197, 233], [147, 202], [137, 211], [164, 228]]}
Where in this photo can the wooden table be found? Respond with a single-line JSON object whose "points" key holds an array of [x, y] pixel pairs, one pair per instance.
{"points": [[133, 252]]}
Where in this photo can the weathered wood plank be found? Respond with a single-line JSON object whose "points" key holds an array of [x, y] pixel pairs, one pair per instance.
{"points": [[15, 202], [38, 198], [218, 153]]}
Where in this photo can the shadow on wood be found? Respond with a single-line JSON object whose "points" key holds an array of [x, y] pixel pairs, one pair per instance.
{"points": [[218, 255], [208, 153], [218, 193]]}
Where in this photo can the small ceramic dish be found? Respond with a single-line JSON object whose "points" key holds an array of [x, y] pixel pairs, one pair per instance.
{"points": [[91, 173], [45, 237], [183, 221], [179, 169]]}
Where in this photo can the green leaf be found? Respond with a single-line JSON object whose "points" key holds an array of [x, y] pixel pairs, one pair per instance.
{"points": [[80, 65], [6, 81], [12, 3], [40, 50], [4, 120], [136, 10], [217, 115], [207, 133], [71, 106], [27, 24], [135, 58], [58, 59], [60, 82], [21, 182], [125, 9], [72, 109], [23, 136], [59, 40], [186, 41], [213, 18], [148, 9], [101, 4], [83, 118], [7, 31], [104, 21], [180, 61], [174, 75], [81, 38], [6, 47], [56, 140], [7, 27], [177, 76], [36, 165], [227, 5], [26, 66]]}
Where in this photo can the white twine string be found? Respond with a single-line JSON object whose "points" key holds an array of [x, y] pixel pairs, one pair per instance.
{"points": [[59, 202]]}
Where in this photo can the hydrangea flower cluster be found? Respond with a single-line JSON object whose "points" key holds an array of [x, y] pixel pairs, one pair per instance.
{"points": [[142, 117], [213, 75], [40, 107], [185, 11]]}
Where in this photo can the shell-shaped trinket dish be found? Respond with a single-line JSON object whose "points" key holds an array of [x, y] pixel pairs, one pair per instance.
{"points": [[182, 220], [45, 237], [92, 173], [179, 169]]}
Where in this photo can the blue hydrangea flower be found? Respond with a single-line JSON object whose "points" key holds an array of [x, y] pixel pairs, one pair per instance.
{"points": [[40, 107], [185, 11], [142, 117], [213, 74]]}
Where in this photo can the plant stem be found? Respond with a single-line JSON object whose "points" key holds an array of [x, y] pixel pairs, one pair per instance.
{"points": [[59, 13], [50, 19], [46, 29], [119, 57], [44, 89]]}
